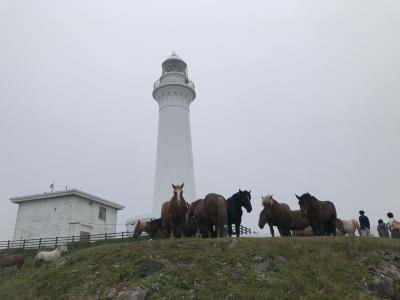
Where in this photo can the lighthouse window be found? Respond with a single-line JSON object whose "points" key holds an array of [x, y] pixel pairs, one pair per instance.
{"points": [[102, 213]]}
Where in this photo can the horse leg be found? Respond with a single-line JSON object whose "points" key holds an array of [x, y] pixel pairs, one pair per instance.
{"points": [[230, 228], [237, 229], [315, 229], [288, 232], [333, 226], [271, 229], [281, 230], [172, 233], [198, 232]]}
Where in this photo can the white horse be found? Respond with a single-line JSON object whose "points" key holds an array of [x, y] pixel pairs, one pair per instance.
{"points": [[49, 256], [349, 227]]}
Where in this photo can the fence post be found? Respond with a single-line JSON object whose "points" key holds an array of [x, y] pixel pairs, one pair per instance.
{"points": [[8, 245], [73, 238], [56, 242], [40, 243], [23, 245], [122, 235], [105, 236]]}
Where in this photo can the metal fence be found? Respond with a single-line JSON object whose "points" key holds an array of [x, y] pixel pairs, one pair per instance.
{"points": [[53, 242], [50, 243]]}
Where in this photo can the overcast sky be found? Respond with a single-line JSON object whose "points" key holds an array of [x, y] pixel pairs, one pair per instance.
{"points": [[292, 97]]}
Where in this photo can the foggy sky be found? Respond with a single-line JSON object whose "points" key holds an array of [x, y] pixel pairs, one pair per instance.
{"points": [[292, 97]]}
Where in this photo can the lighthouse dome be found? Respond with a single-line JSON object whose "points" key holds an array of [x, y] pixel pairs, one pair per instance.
{"points": [[174, 64]]}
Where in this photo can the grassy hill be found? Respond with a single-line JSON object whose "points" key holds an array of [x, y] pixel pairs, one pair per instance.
{"points": [[245, 268]]}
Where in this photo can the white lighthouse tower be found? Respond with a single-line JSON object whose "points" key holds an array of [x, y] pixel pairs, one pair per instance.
{"points": [[174, 92]]}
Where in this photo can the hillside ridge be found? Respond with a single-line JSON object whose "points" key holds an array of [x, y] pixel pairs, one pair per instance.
{"points": [[226, 268]]}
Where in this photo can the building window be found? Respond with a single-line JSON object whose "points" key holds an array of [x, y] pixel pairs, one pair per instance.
{"points": [[102, 213]]}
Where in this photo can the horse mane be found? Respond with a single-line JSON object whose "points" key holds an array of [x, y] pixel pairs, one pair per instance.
{"points": [[266, 198], [310, 199]]}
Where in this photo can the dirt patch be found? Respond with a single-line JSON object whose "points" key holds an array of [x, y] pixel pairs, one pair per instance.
{"points": [[150, 265]]}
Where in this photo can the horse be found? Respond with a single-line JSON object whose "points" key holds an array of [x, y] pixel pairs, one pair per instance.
{"points": [[298, 221], [320, 214], [211, 212], [347, 227], [173, 212], [202, 223], [234, 206], [275, 214], [154, 228], [303, 232], [11, 260], [49, 256]]}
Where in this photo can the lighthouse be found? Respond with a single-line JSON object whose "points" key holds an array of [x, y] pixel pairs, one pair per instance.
{"points": [[174, 92]]}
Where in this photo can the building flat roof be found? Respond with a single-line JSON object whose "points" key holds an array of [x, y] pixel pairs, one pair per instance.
{"points": [[72, 192]]}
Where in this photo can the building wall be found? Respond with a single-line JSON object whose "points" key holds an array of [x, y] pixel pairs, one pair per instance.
{"points": [[43, 218], [86, 213], [64, 216]]}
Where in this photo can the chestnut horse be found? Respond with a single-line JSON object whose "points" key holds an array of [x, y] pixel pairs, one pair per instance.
{"points": [[211, 212], [275, 214], [173, 212], [298, 221], [297, 224], [196, 215], [12, 260], [320, 214]]}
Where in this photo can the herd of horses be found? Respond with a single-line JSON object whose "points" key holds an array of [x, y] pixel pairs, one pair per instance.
{"points": [[203, 218], [41, 258], [208, 217]]}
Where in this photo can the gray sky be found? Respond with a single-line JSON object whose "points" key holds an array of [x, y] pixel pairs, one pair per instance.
{"points": [[292, 97]]}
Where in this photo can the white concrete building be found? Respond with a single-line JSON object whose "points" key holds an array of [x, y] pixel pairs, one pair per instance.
{"points": [[64, 213], [174, 93]]}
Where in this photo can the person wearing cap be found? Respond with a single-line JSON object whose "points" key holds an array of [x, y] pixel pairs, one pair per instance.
{"points": [[393, 226], [364, 224], [382, 229]]}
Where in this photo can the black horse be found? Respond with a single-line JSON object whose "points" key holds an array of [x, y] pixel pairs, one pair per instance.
{"points": [[234, 207]]}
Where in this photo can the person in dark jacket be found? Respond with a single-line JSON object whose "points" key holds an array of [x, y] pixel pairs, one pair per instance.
{"points": [[382, 229], [364, 224]]}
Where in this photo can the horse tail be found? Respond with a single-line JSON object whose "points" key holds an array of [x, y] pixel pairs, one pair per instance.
{"points": [[222, 211]]}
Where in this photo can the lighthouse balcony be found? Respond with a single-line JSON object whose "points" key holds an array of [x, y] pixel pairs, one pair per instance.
{"points": [[173, 78]]}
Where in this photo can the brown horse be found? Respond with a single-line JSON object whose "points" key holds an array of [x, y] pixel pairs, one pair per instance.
{"points": [[275, 214], [196, 215], [212, 211], [320, 214], [303, 232], [298, 221], [173, 212], [11, 260]]}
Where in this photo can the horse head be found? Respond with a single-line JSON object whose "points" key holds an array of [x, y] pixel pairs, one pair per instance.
{"points": [[245, 198], [264, 216], [62, 249], [304, 203], [138, 229], [178, 192]]}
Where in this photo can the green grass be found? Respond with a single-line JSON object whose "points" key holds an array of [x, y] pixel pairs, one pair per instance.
{"points": [[316, 268]]}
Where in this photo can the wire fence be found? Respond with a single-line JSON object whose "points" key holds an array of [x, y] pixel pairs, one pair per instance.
{"points": [[54, 242]]}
